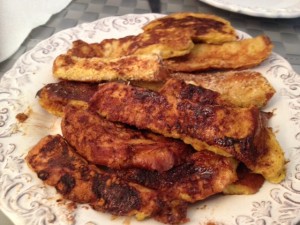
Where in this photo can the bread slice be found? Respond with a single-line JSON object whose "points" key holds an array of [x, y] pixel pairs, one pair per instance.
{"points": [[230, 55], [241, 88], [200, 27], [133, 67]]}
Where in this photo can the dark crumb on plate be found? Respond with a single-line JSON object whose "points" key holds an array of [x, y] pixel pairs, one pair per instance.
{"points": [[213, 223], [22, 117], [71, 205], [68, 204], [202, 207], [85, 207]]}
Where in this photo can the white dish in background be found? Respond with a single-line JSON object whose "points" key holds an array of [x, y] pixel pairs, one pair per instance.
{"points": [[260, 8], [26, 200]]}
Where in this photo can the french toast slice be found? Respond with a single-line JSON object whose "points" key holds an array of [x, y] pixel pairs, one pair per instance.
{"points": [[164, 44], [133, 67], [118, 146], [54, 97], [241, 88], [205, 28], [265, 156], [56, 164], [230, 55]]}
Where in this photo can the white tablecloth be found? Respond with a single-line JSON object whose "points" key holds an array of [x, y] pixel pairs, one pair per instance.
{"points": [[19, 17]]}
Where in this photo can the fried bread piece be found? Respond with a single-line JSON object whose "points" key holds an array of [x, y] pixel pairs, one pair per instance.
{"points": [[161, 43], [133, 67], [230, 131], [114, 145], [54, 97], [241, 88], [266, 153], [201, 27], [58, 165], [230, 55]]}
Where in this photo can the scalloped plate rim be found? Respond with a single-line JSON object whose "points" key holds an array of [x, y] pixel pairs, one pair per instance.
{"points": [[292, 12]]}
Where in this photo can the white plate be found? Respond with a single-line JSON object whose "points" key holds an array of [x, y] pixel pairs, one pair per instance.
{"points": [[26, 200], [260, 8]]}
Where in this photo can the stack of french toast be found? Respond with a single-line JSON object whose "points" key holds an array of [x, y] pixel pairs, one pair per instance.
{"points": [[154, 122]]}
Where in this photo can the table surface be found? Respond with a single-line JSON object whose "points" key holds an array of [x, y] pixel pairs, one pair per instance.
{"points": [[284, 33]]}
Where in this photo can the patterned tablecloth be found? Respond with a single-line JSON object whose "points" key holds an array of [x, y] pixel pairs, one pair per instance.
{"points": [[285, 33]]}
